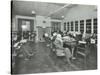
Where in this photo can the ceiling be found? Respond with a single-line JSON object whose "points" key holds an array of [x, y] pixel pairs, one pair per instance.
{"points": [[41, 8]]}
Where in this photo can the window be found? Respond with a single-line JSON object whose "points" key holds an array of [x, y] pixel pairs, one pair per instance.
{"points": [[65, 26], [27, 24], [81, 26], [52, 27], [95, 25], [56, 26], [72, 26], [76, 25], [88, 26]]}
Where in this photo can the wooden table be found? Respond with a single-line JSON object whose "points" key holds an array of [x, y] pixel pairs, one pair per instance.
{"points": [[72, 44]]}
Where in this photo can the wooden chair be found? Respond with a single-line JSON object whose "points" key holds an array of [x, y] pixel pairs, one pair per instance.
{"points": [[83, 50]]}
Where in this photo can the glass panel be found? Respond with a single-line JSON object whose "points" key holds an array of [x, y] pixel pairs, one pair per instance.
{"points": [[88, 26], [72, 26], [95, 25], [55, 26], [81, 26], [76, 25], [65, 26]]}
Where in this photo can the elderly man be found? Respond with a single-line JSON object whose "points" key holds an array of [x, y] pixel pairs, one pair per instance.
{"points": [[60, 51], [47, 39]]}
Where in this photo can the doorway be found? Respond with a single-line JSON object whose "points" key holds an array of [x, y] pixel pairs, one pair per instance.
{"points": [[41, 31], [25, 26]]}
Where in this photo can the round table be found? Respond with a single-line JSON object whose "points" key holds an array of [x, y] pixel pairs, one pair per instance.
{"points": [[72, 44]]}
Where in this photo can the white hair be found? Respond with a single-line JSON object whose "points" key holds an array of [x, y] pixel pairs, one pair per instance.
{"points": [[59, 36]]}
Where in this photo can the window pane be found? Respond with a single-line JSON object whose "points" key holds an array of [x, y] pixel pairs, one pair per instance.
{"points": [[65, 26], [76, 25], [95, 25], [56, 26], [81, 26], [72, 26], [88, 26]]}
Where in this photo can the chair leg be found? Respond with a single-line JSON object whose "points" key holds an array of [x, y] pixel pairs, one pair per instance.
{"points": [[85, 62]]}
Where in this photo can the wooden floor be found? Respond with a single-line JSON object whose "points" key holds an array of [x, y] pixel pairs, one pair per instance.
{"points": [[44, 61]]}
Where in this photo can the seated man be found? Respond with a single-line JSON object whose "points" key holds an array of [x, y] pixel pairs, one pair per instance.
{"points": [[52, 41], [60, 50], [47, 39]]}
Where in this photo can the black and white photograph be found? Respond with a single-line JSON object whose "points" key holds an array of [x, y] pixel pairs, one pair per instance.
{"points": [[49, 37]]}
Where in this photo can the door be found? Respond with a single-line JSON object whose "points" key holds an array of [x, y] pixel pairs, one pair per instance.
{"points": [[28, 22], [40, 34], [48, 30], [25, 26], [41, 31]]}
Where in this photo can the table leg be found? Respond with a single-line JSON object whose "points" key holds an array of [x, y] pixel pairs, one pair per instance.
{"points": [[73, 53]]}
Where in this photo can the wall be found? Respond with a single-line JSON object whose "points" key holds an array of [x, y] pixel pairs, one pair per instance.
{"points": [[81, 12], [15, 21], [14, 27], [38, 21]]}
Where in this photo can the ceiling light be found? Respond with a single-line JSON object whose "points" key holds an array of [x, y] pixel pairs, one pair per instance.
{"points": [[33, 12], [62, 16]]}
